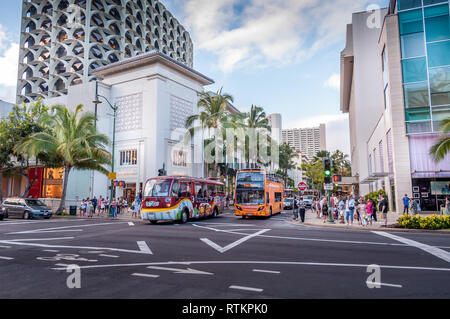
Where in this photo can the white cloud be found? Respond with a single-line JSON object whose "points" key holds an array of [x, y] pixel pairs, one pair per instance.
{"points": [[9, 57], [267, 32], [333, 81]]}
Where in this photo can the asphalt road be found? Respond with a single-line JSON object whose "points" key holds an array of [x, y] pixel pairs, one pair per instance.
{"points": [[227, 257]]}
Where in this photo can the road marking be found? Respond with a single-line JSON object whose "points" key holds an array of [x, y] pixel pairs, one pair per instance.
{"points": [[51, 250], [250, 262], [246, 288], [44, 230], [232, 245], [112, 256], [130, 223], [383, 284], [143, 247], [188, 271], [429, 249], [5, 246], [6, 258], [13, 242], [267, 271], [144, 275]]}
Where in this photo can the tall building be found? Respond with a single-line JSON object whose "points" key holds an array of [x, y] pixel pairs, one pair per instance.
{"points": [[5, 108], [396, 88], [308, 141], [63, 41]]}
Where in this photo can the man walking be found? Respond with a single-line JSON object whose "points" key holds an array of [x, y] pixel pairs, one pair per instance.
{"points": [[295, 208], [384, 209], [349, 210], [406, 201], [302, 209], [94, 204]]}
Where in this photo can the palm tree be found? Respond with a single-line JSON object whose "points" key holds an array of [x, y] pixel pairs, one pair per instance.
{"points": [[287, 155], [439, 150], [74, 139], [213, 116], [256, 120]]}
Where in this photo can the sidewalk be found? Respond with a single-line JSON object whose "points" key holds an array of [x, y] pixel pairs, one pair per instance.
{"points": [[312, 220], [126, 216]]}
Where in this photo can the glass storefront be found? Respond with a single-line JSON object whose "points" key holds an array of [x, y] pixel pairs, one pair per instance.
{"points": [[425, 45], [431, 192]]}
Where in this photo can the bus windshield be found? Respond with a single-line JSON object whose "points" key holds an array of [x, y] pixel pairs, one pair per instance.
{"points": [[250, 179], [157, 188], [250, 197]]}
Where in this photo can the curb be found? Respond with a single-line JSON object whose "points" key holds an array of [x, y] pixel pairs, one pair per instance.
{"points": [[389, 228]]}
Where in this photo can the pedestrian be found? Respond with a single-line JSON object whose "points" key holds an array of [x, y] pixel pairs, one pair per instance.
{"points": [[385, 208], [369, 210], [113, 208], [447, 206], [406, 201], [134, 209], [94, 204], [319, 208], [341, 209], [414, 206], [361, 211], [83, 207], [227, 199], [324, 209], [89, 208], [118, 204], [295, 208], [302, 209], [102, 207], [349, 210]]}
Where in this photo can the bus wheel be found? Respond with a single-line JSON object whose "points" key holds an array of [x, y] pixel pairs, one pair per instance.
{"points": [[215, 213], [153, 222], [184, 217], [270, 212]]}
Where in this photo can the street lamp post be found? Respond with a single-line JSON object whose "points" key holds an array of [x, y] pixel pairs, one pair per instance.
{"points": [[114, 108]]}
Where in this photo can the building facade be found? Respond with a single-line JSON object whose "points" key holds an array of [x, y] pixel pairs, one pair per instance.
{"points": [[308, 141], [63, 41], [396, 89], [5, 108], [276, 125]]}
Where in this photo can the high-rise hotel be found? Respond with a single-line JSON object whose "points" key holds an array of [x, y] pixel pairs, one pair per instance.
{"points": [[395, 85], [63, 41], [308, 141]]}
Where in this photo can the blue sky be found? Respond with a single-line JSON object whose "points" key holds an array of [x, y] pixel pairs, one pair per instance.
{"points": [[283, 55]]}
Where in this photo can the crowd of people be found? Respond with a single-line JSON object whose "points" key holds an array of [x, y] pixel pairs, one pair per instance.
{"points": [[103, 206]]}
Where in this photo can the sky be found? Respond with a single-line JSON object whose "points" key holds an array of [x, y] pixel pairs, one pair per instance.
{"points": [[282, 55]]}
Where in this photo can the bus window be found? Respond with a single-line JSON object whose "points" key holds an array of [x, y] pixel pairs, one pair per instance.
{"points": [[175, 189], [198, 191], [250, 197], [268, 198], [277, 197], [157, 188], [184, 190], [212, 191]]}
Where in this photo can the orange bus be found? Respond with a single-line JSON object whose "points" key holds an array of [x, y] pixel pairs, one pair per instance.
{"points": [[258, 193], [174, 198]]}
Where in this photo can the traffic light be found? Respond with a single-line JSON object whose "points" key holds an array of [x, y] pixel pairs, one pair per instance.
{"points": [[327, 170], [337, 178], [121, 184], [115, 183]]}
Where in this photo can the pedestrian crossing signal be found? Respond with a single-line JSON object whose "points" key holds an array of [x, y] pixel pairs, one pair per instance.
{"points": [[337, 178]]}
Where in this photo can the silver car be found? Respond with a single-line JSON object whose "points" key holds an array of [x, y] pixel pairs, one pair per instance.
{"points": [[25, 208]]}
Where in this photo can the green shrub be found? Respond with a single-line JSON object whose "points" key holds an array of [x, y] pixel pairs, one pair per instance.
{"points": [[433, 222], [374, 195]]}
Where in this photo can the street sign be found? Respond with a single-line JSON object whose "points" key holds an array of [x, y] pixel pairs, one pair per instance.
{"points": [[302, 186], [328, 187], [112, 176]]}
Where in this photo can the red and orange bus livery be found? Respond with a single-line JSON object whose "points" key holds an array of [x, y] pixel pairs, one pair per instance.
{"points": [[181, 198], [258, 193]]}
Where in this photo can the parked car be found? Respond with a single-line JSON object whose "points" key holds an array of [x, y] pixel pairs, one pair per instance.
{"points": [[25, 208], [288, 203], [3, 213]]}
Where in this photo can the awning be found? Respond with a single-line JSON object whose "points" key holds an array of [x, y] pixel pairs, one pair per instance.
{"points": [[374, 177]]}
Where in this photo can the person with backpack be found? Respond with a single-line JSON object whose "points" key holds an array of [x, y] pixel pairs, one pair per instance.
{"points": [[295, 208]]}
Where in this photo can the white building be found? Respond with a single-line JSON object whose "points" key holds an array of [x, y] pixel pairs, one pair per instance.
{"points": [[154, 95], [276, 124], [308, 141], [5, 108]]}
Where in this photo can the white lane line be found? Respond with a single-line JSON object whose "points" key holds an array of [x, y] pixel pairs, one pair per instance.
{"points": [[111, 256], [232, 245], [95, 252], [246, 288], [145, 275], [5, 246], [130, 223], [41, 230], [267, 271], [383, 284], [51, 250], [253, 262], [429, 249], [9, 241], [6, 258], [143, 247]]}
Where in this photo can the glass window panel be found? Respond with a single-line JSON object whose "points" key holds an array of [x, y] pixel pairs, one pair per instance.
{"points": [[416, 95], [414, 70], [409, 4], [440, 86], [411, 22], [439, 54], [438, 116], [413, 45], [440, 98], [437, 23], [418, 114], [420, 127], [428, 2]]}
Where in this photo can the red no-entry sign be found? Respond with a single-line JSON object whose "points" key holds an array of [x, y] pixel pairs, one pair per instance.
{"points": [[302, 186]]}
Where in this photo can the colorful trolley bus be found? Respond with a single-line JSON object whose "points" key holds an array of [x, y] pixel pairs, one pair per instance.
{"points": [[181, 198], [258, 193]]}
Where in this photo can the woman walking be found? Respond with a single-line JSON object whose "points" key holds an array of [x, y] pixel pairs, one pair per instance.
{"points": [[369, 210], [113, 208], [324, 209]]}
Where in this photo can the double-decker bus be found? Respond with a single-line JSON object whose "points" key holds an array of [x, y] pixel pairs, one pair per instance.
{"points": [[258, 193], [181, 198]]}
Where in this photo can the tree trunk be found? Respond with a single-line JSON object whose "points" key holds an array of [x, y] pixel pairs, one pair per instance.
{"points": [[1, 186], [64, 191], [217, 156]]}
